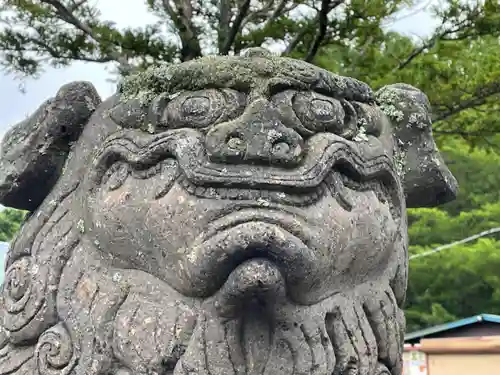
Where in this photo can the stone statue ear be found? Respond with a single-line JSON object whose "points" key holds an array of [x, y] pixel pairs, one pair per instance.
{"points": [[34, 151], [427, 181]]}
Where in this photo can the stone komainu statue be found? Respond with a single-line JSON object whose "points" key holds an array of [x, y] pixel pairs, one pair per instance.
{"points": [[224, 216]]}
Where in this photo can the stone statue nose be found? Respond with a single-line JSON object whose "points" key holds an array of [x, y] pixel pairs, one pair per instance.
{"points": [[257, 137]]}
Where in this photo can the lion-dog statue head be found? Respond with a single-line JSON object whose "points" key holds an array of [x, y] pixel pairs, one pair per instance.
{"points": [[223, 216]]}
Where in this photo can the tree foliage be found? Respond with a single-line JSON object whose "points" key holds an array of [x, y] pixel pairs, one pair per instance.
{"points": [[463, 280], [61, 31], [457, 64], [461, 79], [10, 222]]}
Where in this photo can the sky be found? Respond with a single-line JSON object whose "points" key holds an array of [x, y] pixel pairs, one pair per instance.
{"points": [[15, 105]]}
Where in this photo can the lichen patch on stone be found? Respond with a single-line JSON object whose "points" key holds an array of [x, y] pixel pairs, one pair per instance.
{"points": [[242, 73]]}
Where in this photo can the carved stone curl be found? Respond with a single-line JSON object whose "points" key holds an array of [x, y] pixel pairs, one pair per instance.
{"points": [[236, 215], [25, 301], [54, 353]]}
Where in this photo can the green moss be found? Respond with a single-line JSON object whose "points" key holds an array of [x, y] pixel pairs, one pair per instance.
{"points": [[361, 135], [400, 162], [400, 100], [80, 226], [392, 112], [242, 73], [389, 101], [419, 119]]}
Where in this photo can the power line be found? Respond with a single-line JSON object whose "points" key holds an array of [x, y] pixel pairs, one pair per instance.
{"points": [[447, 246]]}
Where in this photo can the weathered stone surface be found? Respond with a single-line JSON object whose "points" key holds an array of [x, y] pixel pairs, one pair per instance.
{"points": [[225, 216], [426, 179], [33, 152]]}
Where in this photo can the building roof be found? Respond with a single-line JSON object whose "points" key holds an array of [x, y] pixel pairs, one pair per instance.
{"points": [[488, 318]]}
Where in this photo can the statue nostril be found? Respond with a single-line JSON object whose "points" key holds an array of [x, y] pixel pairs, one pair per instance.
{"points": [[263, 143]]}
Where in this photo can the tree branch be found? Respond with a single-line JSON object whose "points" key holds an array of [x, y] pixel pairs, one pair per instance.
{"points": [[181, 17], [76, 5], [67, 16], [235, 28], [326, 7], [431, 43], [480, 97], [296, 40], [277, 12], [480, 133], [270, 17], [321, 18], [259, 13], [56, 55], [224, 20], [455, 243]]}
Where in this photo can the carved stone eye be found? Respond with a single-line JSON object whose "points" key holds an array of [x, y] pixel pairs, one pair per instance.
{"points": [[197, 106], [151, 182], [115, 176], [196, 109], [320, 113], [323, 109]]}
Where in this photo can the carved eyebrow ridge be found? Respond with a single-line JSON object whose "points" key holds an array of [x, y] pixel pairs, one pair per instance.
{"points": [[243, 74]]}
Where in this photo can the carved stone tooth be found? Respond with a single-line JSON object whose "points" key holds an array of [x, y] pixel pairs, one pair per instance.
{"points": [[199, 191], [190, 188], [264, 194], [233, 193], [223, 192], [211, 192]]}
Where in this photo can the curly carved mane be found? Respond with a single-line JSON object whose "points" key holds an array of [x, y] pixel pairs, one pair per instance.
{"points": [[31, 322]]}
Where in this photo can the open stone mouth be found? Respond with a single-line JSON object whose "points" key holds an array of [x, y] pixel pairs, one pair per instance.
{"points": [[247, 233], [260, 227], [340, 183]]}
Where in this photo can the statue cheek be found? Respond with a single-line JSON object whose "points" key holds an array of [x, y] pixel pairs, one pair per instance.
{"points": [[143, 232], [362, 250], [371, 241], [118, 222], [114, 231]]}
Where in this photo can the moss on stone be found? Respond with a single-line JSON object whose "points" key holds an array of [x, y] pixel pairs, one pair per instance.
{"points": [[400, 162], [389, 101], [80, 225], [242, 73], [361, 135], [392, 112]]}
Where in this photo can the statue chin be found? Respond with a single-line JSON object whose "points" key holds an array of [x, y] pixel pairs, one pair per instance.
{"points": [[249, 220], [250, 326]]}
